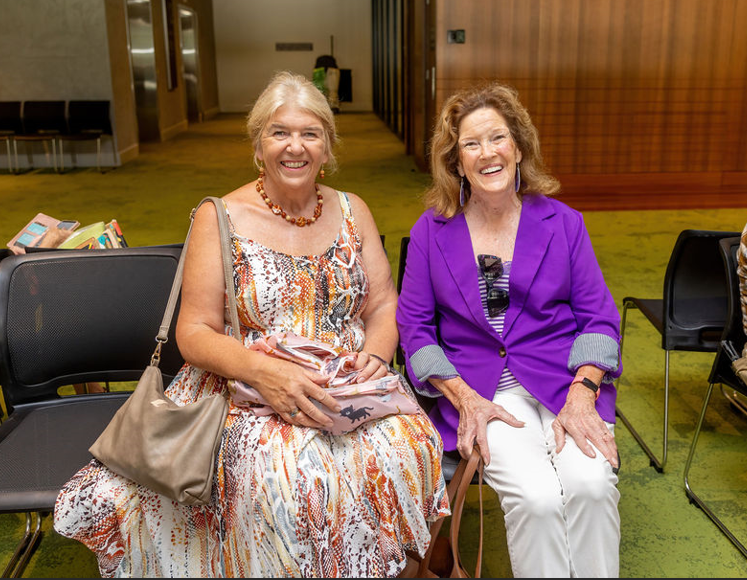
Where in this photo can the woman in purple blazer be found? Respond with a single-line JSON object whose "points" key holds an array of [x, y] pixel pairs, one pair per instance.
{"points": [[504, 315]]}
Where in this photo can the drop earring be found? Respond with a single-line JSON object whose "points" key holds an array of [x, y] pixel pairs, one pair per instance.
{"points": [[461, 193], [518, 178], [261, 171], [321, 173]]}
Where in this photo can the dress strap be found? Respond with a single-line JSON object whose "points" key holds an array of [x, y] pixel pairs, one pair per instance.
{"points": [[349, 227], [231, 227]]}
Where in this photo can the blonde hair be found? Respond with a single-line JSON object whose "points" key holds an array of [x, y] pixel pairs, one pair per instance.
{"points": [[443, 194], [287, 88]]}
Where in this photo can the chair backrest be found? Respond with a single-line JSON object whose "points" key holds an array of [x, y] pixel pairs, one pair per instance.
{"points": [[40, 116], [90, 116], [399, 356], [695, 292], [76, 316], [402, 261], [721, 371], [10, 117]]}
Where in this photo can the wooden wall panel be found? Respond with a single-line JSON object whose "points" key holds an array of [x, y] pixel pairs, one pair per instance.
{"points": [[614, 86]]}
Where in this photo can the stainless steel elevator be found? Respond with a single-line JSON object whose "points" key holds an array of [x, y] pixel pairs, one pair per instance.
{"points": [[190, 62], [143, 58]]}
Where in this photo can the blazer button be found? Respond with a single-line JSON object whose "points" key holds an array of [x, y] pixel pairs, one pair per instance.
{"points": [[502, 352]]}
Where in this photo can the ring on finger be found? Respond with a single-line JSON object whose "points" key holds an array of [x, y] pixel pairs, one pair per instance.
{"points": [[294, 412]]}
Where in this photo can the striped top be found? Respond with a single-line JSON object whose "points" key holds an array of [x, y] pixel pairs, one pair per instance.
{"points": [[507, 380]]}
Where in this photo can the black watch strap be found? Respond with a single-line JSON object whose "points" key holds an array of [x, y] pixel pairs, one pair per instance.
{"points": [[589, 383]]}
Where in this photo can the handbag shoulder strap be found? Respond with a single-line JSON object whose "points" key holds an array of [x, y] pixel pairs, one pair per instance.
{"points": [[223, 230], [457, 492], [474, 463]]}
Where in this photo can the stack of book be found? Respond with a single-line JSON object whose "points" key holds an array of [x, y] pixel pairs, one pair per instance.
{"points": [[47, 232]]}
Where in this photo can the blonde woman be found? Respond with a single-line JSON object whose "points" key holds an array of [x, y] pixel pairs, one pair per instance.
{"points": [[289, 498]]}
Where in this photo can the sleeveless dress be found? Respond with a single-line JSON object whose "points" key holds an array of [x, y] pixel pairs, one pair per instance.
{"points": [[287, 500]]}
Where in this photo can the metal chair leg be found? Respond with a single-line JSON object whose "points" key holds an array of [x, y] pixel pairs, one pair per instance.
{"points": [[62, 158], [692, 496], [10, 159], [15, 154], [54, 155], [24, 549], [657, 464]]}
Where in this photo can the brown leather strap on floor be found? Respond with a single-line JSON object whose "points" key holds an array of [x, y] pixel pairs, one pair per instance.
{"points": [[457, 491]]}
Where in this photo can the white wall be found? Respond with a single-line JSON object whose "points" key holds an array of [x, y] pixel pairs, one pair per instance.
{"points": [[246, 32], [55, 50]]}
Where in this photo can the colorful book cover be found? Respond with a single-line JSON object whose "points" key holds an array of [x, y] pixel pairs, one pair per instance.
{"points": [[81, 236], [42, 226], [115, 234]]}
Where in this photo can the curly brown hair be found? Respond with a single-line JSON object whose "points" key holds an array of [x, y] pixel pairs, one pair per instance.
{"points": [[443, 194]]}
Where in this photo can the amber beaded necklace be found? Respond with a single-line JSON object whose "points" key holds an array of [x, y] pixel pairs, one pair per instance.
{"points": [[279, 211]]}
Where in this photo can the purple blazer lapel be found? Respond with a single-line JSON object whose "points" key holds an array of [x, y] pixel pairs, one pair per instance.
{"points": [[455, 244], [532, 243]]}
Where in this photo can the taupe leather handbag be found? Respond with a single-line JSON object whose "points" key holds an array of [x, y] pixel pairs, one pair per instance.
{"points": [[151, 440]]}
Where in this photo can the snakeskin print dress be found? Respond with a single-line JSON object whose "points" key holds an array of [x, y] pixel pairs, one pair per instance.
{"points": [[287, 501]]}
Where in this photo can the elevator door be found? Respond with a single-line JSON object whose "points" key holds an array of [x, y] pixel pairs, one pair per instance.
{"points": [[143, 58], [190, 62]]}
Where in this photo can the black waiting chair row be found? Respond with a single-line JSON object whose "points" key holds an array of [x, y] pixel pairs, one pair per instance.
{"points": [[53, 122]]}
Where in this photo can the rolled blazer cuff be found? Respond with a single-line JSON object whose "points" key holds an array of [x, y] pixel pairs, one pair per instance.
{"points": [[594, 348], [430, 361]]}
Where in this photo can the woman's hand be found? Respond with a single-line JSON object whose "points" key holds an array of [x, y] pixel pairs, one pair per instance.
{"points": [[291, 391], [371, 367], [475, 412], [579, 419]]}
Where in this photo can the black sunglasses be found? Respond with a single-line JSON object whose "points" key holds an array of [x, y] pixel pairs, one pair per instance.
{"points": [[491, 268]]}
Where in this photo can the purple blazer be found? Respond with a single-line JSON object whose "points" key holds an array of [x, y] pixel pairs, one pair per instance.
{"points": [[557, 293]]}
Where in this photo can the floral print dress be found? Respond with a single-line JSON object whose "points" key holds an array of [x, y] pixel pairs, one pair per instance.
{"points": [[287, 500]]}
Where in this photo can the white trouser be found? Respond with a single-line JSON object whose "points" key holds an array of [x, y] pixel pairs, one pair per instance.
{"points": [[560, 509]]}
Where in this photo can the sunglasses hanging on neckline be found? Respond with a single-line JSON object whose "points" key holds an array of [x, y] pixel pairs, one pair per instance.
{"points": [[491, 269]]}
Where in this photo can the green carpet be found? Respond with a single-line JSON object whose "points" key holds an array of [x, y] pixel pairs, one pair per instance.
{"points": [[662, 534]]}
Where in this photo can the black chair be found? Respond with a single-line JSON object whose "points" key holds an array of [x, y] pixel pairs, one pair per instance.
{"points": [[690, 315], [10, 126], [43, 121], [450, 460], [70, 316], [732, 341], [403, 244], [87, 121]]}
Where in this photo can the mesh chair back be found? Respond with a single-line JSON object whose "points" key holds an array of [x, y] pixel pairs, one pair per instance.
{"points": [[43, 116], [89, 116], [10, 117], [695, 292], [81, 316]]}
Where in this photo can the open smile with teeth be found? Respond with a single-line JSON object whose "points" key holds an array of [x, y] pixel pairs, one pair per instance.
{"points": [[492, 169], [293, 164]]}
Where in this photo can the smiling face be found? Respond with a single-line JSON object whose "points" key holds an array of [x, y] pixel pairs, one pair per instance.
{"points": [[487, 153], [292, 147]]}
